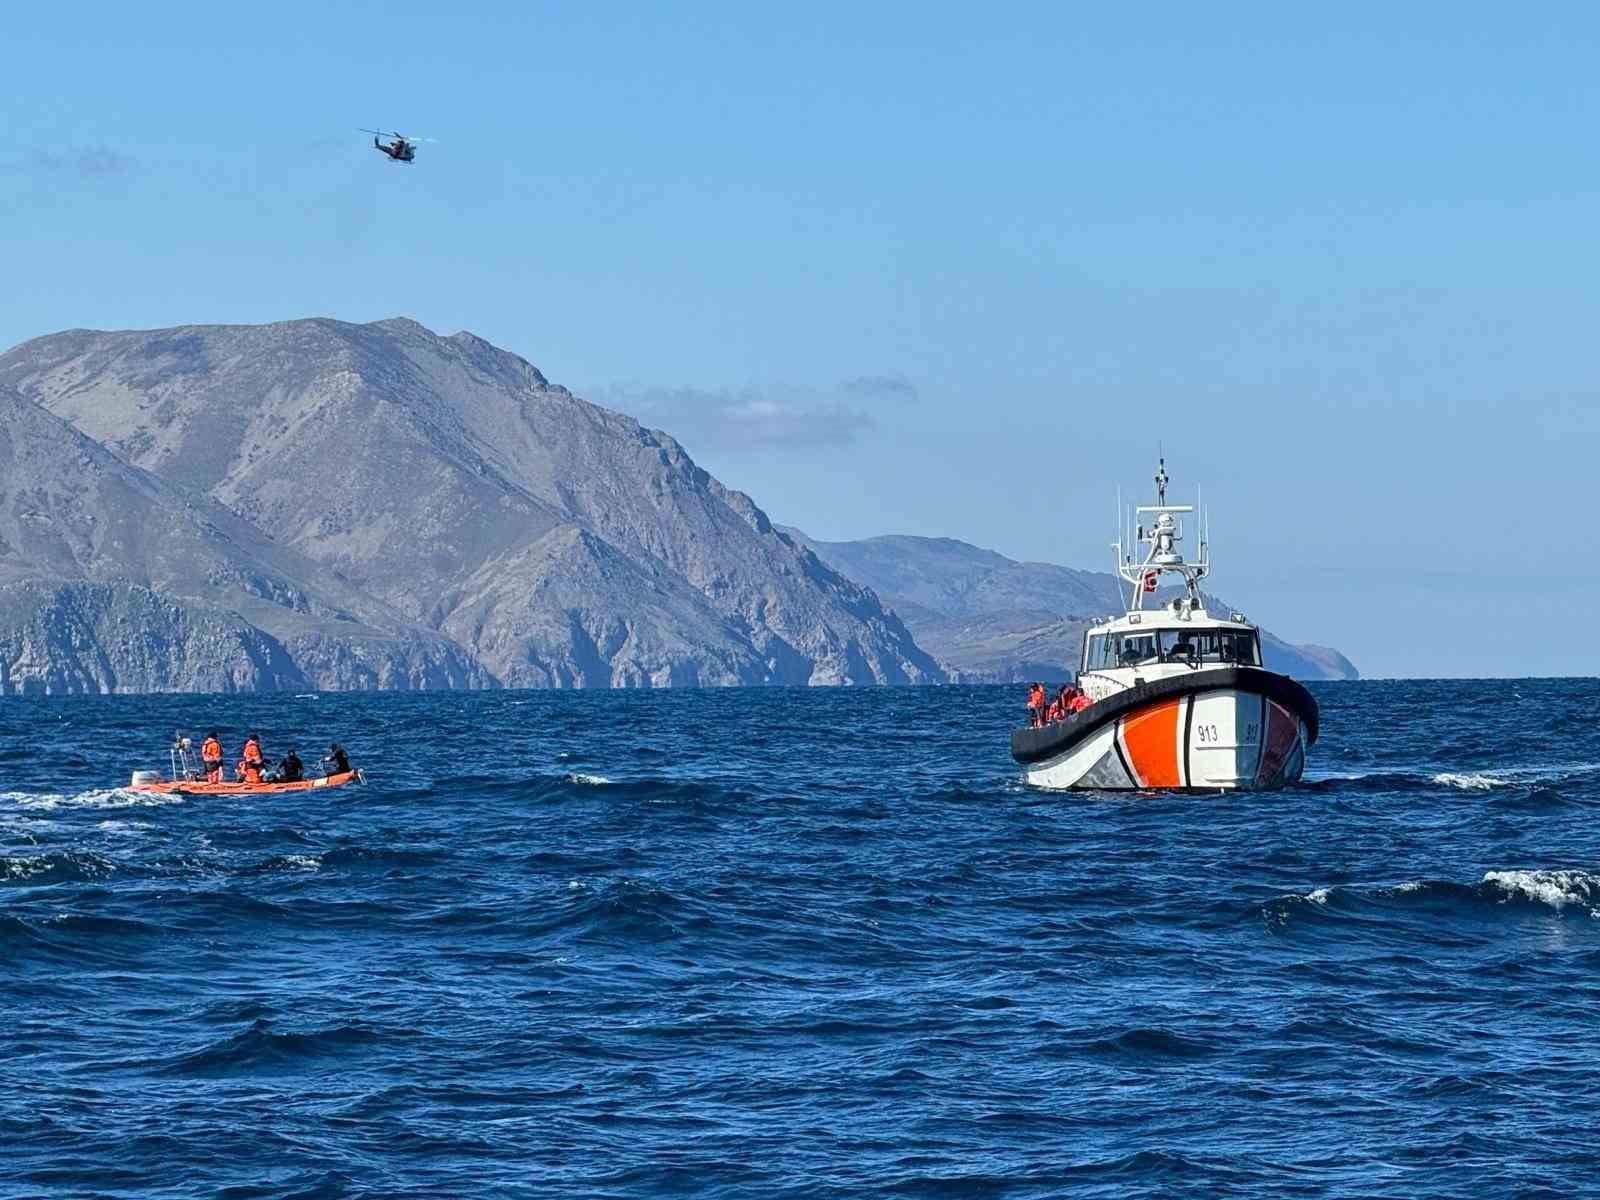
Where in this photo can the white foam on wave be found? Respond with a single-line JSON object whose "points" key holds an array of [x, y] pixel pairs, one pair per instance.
{"points": [[125, 828], [1554, 888], [587, 780], [99, 798], [23, 868], [27, 866], [302, 862], [1466, 782], [1320, 896], [1498, 777]]}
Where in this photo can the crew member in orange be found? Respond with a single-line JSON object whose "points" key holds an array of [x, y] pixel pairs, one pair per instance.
{"points": [[1062, 707], [1079, 701], [211, 757], [1036, 705], [251, 764]]}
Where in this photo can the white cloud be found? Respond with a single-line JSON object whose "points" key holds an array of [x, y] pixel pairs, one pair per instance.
{"points": [[745, 419]]}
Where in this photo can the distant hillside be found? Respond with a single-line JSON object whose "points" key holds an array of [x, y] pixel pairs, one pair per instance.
{"points": [[989, 618], [320, 504]]}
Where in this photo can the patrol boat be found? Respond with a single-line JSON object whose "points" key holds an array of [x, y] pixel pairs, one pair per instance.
{"points": [[1180, 698]]}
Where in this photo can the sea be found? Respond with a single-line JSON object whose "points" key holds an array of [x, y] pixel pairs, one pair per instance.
{"points": [[791, 942]]}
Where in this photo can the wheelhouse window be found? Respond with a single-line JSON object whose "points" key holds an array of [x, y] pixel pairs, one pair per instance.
{"points": [[1103, 651], [1236, 646], [1098, 652]]}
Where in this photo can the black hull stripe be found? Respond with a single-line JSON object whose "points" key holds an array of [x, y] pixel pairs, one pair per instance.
{"points": [[1184, 773]]}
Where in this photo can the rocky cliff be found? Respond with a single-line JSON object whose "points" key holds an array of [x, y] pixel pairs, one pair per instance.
{"points": [[991, 619], [320, 504]]}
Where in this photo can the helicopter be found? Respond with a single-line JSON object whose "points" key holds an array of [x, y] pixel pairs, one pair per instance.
{"points": [[402, 149]]}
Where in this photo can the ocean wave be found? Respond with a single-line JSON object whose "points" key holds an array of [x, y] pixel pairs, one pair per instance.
{"points": [[123, 828], [367, 857], [583, 780], [57, 867], [261, 1048], [1467, 783], [1150, 1043], [99, 923], [283, 862], [1486, 779], [1555, 889]]}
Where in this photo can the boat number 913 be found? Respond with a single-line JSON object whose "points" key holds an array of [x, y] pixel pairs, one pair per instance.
{"points": [[1208, 734]]}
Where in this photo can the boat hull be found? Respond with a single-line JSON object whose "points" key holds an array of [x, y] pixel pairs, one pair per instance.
{"points": [[1223, 730], [192, 787]]}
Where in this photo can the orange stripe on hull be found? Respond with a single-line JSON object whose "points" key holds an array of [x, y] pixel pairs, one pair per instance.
{"points": [[1151, 739]]}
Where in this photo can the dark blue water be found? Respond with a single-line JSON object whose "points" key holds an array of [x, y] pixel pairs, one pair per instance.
{"points": [[769, 943]]}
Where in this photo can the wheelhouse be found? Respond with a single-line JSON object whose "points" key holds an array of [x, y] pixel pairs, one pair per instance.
{"points": [[1107, 650]]}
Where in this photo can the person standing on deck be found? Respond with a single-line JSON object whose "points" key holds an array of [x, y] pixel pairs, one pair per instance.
{"points": [[1036, 705], [251, 764], [211, 757]]}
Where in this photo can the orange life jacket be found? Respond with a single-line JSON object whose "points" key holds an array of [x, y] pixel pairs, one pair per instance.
{"points": [[211, 752], [1079, 702], [252, 753]]}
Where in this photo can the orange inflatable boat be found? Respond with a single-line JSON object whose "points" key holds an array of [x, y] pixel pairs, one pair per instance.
{"points": [[142, 782], [186, 778]]}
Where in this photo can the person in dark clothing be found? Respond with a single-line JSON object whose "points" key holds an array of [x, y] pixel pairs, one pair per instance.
{"points": [[291, 769], [337, 762]]}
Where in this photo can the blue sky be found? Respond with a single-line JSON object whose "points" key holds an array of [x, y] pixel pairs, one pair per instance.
{"points": [[932, 269]]}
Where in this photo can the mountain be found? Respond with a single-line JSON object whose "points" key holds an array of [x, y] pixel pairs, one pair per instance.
{"points": [[377, 485], [111, 579], [989, 618]]}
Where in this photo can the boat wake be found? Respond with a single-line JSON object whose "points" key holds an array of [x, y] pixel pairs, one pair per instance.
{"points": [[94, 798]]}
